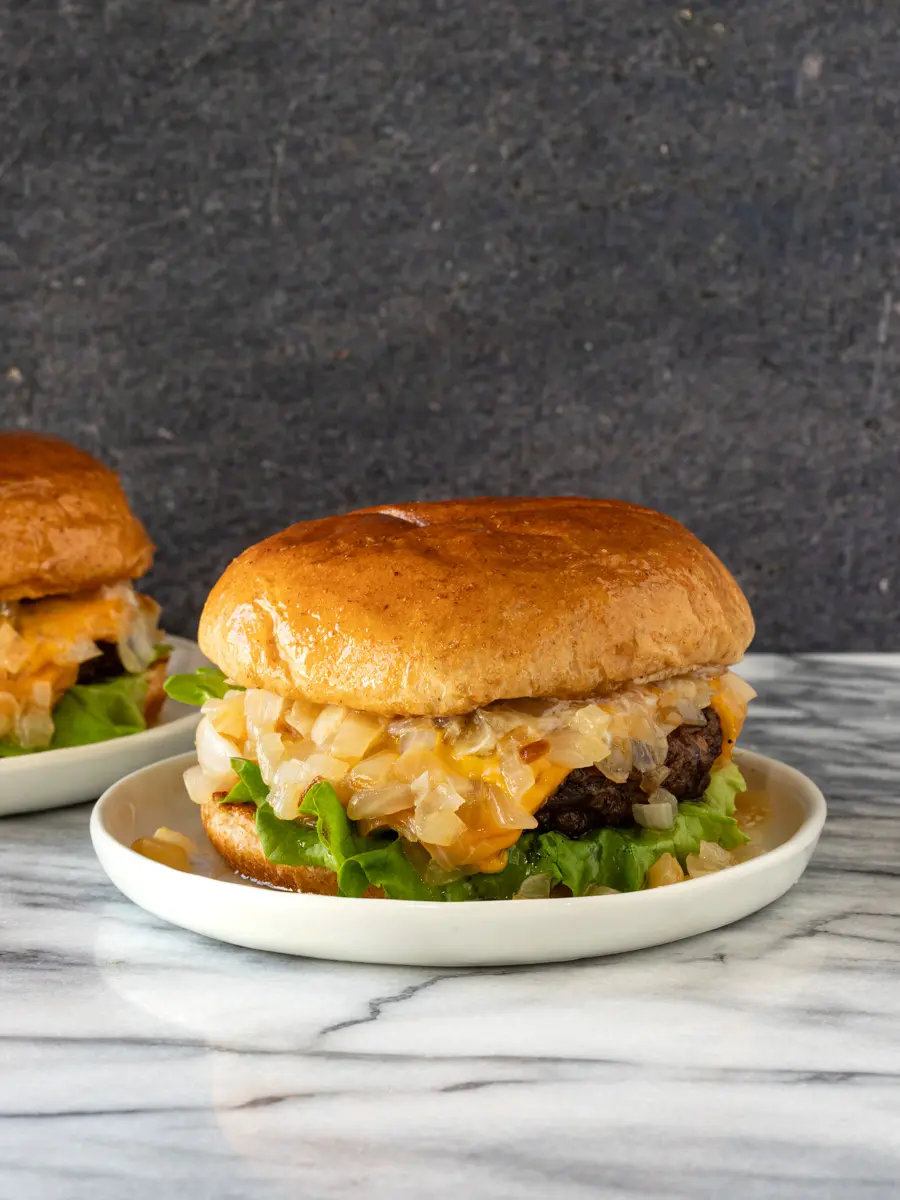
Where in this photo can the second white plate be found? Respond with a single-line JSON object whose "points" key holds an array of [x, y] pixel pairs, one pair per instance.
{"points": [[55, 778], [214, 902]]}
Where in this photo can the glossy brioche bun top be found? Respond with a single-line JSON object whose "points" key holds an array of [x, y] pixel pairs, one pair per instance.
{"points": [[65, 524], [435, 609]]}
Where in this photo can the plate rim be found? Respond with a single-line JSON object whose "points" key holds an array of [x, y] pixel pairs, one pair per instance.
{"points": [[23, 763], [803, 839]]}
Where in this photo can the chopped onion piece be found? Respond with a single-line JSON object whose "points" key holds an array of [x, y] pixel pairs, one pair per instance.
{"points": [[227, 715], [34, 728], [710, 859], [379, 802], [505, 813], [373, 770], [277, 770], [164, 834], [643, 757], [262, 711], [712, 852], [292, 770], [297, 747], [42, 694], [356, 734], [503, 720], [518, 776], [403, 822], [477, 737], [617, 765], [437, 796], [437, 876], [597, 889], [532, 751], [81, 650], [270, 754], [450, 727], [570, 749], [653, 816], [535, 887], [138, 634], [461, 783], [690, 712], [327, 723], [14, 652], [593, 722], [662, 796], [289, 785], [326, 766], [418, 740], [215, 753], [411, 764], [302, 716], [414, 733], [651, 780], [200, 787], [665, 871], [440, 828], [738, 687], [162, 852]]}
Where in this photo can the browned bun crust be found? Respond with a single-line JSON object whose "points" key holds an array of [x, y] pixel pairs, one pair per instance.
{"points": [[65, 524], [231, 828], [438, 608], [156, 696]]}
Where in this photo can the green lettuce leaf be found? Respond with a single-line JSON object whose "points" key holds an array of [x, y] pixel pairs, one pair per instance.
{"points": [[724, 786], [250, 788], [94, 712], [620, 858], [206, 683], [333, 826], [614, 858], [290, 843], [361, 862]]}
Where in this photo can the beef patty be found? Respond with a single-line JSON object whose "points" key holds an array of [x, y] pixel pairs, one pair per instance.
{"points": [[106, 665], [586, 799]]}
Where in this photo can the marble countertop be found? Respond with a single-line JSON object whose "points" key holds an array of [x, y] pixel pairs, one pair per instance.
{"points": [[762, 1060]]}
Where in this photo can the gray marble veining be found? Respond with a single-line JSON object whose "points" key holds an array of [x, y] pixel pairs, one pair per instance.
{"points": [[762, 1060]]}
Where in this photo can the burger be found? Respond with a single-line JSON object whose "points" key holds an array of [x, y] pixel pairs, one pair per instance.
{"points": [[81, 654], [472, 700]]}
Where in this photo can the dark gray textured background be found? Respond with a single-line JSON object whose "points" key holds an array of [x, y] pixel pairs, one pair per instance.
{"points": [[278, 259]]}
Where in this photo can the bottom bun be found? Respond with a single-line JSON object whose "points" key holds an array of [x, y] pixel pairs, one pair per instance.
{"points": [[231, 828], [156, 696]]}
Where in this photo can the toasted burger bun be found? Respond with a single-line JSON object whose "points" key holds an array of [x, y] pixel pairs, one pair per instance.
{"points": [[65, 524], [156, 695], [231, 828], [435, 609]]}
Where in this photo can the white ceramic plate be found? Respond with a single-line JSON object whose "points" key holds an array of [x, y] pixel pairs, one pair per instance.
{"points": [[214, 902], [55, 778]]}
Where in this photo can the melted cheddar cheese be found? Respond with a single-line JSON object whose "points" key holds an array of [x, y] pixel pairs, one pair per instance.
{"points": [[43, 643], [730, 705], [484, 844], [51, 628]]}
